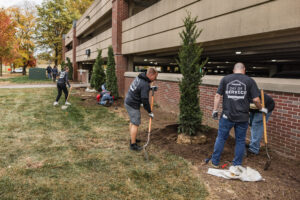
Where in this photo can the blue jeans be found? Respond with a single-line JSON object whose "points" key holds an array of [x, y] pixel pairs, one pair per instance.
{"points": [[49, 75], [106, 98], [257, 130], [240, 129]]}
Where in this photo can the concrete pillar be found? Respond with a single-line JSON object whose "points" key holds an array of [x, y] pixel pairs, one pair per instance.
{"points": [[75, 43], [63, 56], [119, 13], [130, 63]]}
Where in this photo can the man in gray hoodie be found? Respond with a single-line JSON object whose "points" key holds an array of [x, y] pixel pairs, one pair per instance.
{"points": [[138, 94]]}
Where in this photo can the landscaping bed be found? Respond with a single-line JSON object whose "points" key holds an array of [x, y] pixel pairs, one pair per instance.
{"points": [[282, 179]]}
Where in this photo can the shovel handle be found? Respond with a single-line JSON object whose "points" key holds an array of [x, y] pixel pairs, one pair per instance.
{"points": [[264, 115], [69, 93], [151, 105]]}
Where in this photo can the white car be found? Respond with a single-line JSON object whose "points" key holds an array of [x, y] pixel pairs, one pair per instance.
{"points": [[19, 70]]}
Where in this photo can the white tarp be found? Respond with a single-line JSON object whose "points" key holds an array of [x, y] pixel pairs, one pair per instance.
{"points": [[237, 172]]}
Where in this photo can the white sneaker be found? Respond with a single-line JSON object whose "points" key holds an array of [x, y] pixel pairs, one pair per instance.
{"points": [[55, 103], [67, 103]]}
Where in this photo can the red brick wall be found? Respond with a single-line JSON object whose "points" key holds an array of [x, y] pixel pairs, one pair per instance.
{"points": [[119, 13], [283, 127], [63, 56], [75, 43]]}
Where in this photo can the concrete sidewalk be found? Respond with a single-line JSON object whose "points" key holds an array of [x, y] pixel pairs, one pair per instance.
{"points": [[76, 85]]}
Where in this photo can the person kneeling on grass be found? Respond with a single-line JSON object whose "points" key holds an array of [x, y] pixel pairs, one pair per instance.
{"points": [[61, 86], [138, 94], [106, 99]]}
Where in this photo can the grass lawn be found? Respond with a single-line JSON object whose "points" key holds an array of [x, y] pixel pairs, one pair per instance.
{"points": [[24, 79], [80, 153]]}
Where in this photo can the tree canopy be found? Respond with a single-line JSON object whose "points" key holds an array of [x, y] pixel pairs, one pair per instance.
{"points": [[7, 32], [55, 19], [24, 37]]}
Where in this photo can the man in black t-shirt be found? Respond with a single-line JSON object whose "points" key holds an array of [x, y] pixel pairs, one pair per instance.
{"points": [[237, 90]]}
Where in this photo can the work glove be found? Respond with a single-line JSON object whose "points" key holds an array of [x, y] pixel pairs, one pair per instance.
{"points": [[215, 114], [151, 115], [264, 110]]}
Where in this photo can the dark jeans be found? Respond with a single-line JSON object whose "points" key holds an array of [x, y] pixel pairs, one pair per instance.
{"points": [[60, 88], [240, 129], [54, 77]]}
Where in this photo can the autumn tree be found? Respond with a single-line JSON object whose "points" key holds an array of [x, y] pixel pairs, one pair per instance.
{"points": [[55, 18], [7, 32], [78, 7], [25, 25]]}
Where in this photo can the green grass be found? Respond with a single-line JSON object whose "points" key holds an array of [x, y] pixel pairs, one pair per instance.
{"points": [[24, 79], [80, 153]]}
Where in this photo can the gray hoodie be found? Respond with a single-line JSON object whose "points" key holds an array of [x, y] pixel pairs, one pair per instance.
{"points": [[63, 78], [138, 93]]}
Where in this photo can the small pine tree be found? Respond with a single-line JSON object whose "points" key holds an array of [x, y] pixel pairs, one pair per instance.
{"points": [[111, 78], [63, 65], [190, 117], [70, 74], [98, 75]]}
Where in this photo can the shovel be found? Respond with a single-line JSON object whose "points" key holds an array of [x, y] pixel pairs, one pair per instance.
{"points": [[153, 88], [268, 163], [64, 107]]}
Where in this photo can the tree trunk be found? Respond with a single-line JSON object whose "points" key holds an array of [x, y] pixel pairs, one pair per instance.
{"points": [[0, 66], [56, 56], [24, 70]]}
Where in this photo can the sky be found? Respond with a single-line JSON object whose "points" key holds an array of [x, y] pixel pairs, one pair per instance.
{"points": [[8, 3]]}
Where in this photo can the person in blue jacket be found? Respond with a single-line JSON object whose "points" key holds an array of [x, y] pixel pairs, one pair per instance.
{"points": [[106, 98]]}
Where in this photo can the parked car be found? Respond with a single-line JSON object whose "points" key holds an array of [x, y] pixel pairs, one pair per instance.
{"points": [[18, 70]]}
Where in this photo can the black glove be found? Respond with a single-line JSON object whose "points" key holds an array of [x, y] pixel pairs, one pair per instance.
{"points": [[215, 114]]}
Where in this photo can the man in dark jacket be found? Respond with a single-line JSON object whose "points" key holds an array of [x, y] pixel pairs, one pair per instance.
{"points": [[61, 86], [256, 123], [237, 90], [138, 94], [49, 71], [54, 73]]}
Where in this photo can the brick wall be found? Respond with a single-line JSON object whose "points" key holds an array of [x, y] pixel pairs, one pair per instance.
{"points": [[74, 43], [283, 126], [119, 13]]}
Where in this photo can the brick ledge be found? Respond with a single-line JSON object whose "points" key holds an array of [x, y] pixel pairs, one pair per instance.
{"points": [[271, 84]]}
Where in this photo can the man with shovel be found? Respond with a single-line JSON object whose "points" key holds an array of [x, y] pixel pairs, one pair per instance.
{"points": [[61, 86], [138, 94], [237, 90], [256, 123]]}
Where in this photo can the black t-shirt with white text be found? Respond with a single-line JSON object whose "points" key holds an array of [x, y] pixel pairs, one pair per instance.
{"points": [[237, 90]]}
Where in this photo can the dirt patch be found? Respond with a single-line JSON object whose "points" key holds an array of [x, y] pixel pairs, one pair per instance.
{"points": [[282, 179]]}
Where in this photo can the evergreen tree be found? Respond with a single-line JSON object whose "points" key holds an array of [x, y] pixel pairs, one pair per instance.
{"points": [[190, 117], [70, 74], [111, 78], [63, 65], [98, 75]]}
